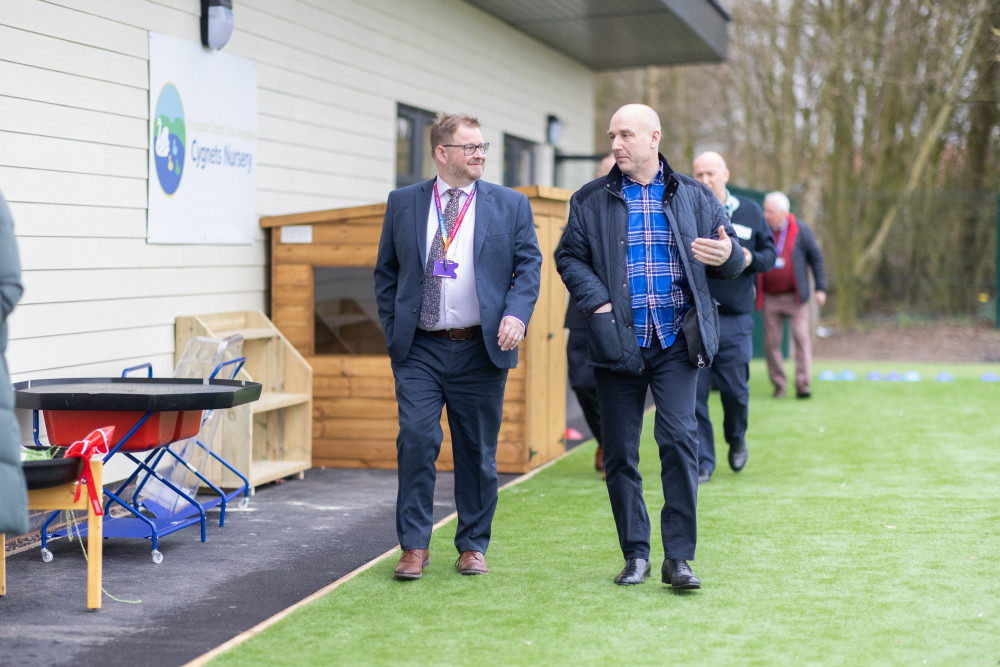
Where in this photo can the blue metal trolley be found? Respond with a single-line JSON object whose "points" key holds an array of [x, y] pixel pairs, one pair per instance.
{"points": [[152, 413]]}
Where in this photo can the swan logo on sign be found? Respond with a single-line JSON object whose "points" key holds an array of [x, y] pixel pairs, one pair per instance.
{"points": [[169, 139]]}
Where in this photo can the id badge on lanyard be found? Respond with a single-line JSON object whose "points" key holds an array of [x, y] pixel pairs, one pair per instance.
{"points": [[779, 261], [444, 267]]}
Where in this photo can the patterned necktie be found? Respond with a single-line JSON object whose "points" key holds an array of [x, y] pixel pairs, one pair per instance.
{"points": [[430, 306]]}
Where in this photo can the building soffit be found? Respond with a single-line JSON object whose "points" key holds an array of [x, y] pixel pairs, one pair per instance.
{"points": [[616, 34]]}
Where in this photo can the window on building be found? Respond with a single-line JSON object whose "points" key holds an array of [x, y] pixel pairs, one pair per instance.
{"points": [[518, 161], [414, 160]]}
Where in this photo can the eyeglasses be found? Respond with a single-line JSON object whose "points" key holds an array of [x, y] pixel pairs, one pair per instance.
{"points": [[470, 149]]}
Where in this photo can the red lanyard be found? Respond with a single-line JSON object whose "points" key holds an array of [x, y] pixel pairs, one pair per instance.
{"points": [[448, 238]]}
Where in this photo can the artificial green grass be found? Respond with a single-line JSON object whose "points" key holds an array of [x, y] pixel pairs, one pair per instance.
{"points": [[865, 530]]}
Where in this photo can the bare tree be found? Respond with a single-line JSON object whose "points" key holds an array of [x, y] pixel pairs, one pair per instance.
{"points": [[871, 114]]}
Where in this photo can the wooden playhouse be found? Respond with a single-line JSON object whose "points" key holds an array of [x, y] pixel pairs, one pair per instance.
{"points": [[323, 302]]}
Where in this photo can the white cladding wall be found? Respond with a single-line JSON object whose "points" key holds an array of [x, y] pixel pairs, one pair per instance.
{"points": [[74, 135]]}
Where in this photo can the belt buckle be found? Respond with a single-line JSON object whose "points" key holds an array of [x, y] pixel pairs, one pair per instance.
{"points": [[451, 334]]}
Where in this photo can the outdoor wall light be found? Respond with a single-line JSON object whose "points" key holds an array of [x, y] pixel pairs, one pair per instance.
{"points": [[216, 22], [553, 129]]}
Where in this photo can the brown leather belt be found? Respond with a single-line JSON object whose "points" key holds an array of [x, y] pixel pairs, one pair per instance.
{"points": [[467, 333]]}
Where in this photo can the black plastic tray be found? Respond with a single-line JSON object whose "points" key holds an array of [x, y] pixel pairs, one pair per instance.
{"points": [[133, 394], [51, 472]]}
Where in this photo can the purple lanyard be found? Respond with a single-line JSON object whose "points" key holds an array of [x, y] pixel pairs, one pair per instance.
{"points": [[781, 239], [448, 238]]}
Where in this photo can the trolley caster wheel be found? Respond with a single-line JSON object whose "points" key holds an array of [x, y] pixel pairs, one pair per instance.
{"points": [[46, 555], [244, 503], [157, 556]]}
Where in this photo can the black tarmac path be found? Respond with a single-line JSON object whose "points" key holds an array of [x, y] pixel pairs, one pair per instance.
{"points": [[294, 539]]}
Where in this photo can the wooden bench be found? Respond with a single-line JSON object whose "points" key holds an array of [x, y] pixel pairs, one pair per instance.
{"points": [[61, 498]]}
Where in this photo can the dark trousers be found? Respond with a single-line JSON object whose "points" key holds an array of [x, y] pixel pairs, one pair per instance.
{"points": [[730, 373], [673, 380], [459, 375], [581, 380]]}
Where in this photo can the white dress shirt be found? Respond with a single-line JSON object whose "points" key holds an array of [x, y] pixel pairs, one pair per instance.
{"points": [[459, 300]]}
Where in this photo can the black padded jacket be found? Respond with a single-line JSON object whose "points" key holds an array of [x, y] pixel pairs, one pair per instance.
{"points": [[591, 259]]}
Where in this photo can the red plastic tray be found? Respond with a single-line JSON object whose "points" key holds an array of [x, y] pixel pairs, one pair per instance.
{"points": [[64, 427]]}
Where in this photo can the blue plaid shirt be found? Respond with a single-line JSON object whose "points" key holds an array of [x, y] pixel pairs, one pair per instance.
{"points": [[655, 274]]}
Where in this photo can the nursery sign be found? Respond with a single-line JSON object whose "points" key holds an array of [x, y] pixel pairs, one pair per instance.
{"points": [[202, 144]]}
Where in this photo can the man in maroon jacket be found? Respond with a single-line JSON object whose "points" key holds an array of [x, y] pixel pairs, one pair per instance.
{"points": [[785, 293]]}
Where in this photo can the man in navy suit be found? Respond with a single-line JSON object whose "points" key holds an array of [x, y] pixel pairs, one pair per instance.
{"points": [[456, 280]]}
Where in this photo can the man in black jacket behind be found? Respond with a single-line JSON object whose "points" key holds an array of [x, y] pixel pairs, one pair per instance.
{"points": [[730, 370], [635, 255]]}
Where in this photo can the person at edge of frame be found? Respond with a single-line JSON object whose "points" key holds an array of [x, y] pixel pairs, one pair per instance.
{"points": [[13, 488]]}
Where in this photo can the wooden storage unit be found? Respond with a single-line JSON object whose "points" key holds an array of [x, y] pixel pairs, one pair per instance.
{"points": [[355, 421], [270, 438]]}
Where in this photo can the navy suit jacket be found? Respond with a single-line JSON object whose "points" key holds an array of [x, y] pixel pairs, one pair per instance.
{"points": [[507, 263]]}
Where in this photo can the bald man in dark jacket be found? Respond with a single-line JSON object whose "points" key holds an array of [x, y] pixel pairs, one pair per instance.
{"points": [[730, 371], [636, 255]]}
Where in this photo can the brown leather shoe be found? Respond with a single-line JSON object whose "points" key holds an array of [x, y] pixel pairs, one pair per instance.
{"points": [[599, 459], [412, 563], [471, 562]]}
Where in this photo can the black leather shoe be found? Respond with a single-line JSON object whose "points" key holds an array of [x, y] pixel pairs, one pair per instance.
{"points": [[738, 455], [802, 393], [678, 574], [704, 477], [635, 572]]}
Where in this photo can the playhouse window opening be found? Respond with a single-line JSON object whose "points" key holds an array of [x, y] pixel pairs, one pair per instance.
{"points": [[345, 315]]}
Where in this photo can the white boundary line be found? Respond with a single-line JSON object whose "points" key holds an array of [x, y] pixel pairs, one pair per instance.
{"points": [[263, 625]]}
